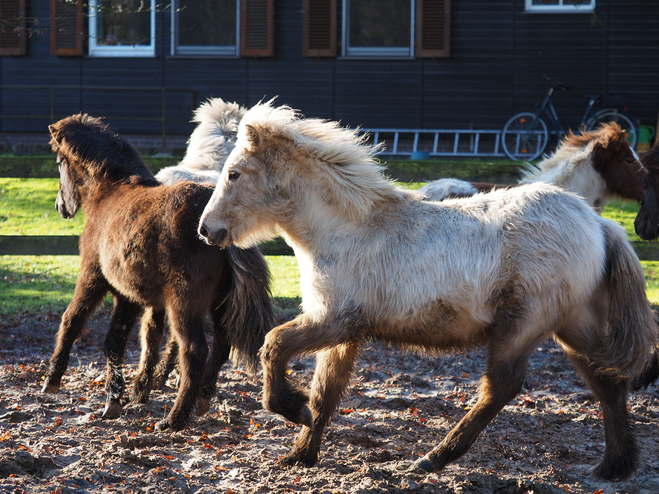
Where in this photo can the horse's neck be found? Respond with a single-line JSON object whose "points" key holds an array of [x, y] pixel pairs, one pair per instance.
{"points": [[579, 178]]}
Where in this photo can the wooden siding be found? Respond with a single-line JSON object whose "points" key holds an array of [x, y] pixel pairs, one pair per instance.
{"points": [[497, 58]]}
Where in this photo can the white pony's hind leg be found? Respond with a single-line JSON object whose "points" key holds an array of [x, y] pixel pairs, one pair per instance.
{"points": [[514, 339]]}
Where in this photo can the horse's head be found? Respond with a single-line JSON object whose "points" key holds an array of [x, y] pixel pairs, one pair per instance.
{"points": [[617, 162], [243, 208], [647, 219], [90, 153]]}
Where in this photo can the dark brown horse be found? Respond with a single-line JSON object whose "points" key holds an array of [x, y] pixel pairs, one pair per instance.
{"points": [[140, 244]]}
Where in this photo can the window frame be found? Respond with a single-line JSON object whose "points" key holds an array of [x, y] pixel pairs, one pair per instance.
{"points": [[376, 52], [95, 50], [586, 8], [216, 51]]}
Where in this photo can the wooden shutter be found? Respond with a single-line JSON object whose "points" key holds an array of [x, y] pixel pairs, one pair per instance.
{"points": [[433, 28], [257, 28], [319, 28], [12, 27], [66, 28]]}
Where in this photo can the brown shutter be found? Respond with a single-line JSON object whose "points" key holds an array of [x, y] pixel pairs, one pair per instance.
{"points": [[319, 28], [257, 28], [12, 27], [433, 28], [66, 28]]}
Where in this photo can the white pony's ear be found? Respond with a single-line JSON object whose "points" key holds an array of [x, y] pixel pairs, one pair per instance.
{"points": [[253, 136]]}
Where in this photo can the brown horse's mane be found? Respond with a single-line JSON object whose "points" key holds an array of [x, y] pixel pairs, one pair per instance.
{"points": [[606, 133], [650, 158], [104, 153]]}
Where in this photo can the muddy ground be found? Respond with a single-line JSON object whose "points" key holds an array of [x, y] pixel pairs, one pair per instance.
{"points": [[548, 440]]}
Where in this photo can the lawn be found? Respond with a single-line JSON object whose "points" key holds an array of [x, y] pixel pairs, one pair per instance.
{"points": [[45, 283]]}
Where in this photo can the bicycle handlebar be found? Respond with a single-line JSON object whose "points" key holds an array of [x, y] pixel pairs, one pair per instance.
{"points": [[556, 84]]}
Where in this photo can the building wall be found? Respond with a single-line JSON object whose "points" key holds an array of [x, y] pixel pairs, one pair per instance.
{"points": [[498, 56]]}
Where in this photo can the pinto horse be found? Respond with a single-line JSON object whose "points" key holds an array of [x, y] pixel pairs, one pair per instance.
{"points": [[505, 270], [140, 244], [597, 166]]}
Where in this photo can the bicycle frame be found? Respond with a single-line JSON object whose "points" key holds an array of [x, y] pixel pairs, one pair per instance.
{"points": [[548, 110]]}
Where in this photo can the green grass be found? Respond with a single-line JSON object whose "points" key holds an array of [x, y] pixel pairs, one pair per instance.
{"points": [[27, 207], [46, 283]]}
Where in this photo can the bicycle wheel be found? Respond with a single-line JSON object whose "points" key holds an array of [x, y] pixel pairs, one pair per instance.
{"points": [[608, 115], [524, 137]]}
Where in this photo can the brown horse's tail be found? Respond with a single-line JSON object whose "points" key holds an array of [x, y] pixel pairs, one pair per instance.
{"points": [[249, 313], [632, 331]]}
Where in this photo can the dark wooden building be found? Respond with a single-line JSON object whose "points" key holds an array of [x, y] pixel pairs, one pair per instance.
{"points": [[373, 63]]}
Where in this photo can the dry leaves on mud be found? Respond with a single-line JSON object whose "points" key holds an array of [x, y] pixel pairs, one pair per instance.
{"points": [[400, 406]]}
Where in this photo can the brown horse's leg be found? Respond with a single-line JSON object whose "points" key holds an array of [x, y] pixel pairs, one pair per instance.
{"points": [[89, 292], [151, 331], [192, 359], [296, 337], [123, 318], [167, 362], [621, 455], [220, 351], [334, 369]]}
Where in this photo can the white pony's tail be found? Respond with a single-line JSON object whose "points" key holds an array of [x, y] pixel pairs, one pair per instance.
{"points": [[632, 332]]}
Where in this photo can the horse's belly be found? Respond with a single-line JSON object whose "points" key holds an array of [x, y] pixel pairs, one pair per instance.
{"points": [[443, 327], [133, 279]]}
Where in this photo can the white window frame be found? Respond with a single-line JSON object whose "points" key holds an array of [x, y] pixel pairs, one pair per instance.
{"points": [[561, 8], [203, 51], [120, 50], [375, 52]]}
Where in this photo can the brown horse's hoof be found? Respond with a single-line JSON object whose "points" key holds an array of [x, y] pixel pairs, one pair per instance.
{"points": [[203, 405], [424, 466], [50, 388], [163, 425], [299, 458], [112, 410], [306, 418]]}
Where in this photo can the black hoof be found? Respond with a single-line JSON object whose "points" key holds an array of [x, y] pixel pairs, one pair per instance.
{"points": [[50, 388], [163, 425], [203, 405], [293, 459], [306, 418], [614, 473], [112, 410], [424, 465]]}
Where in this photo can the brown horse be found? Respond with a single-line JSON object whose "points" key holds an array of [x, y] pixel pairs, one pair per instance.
{"points": [[140, 244]]}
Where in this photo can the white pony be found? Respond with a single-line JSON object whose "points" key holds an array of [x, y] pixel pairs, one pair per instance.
{"points": [[505, 270], [597, 166], [209, 145]]}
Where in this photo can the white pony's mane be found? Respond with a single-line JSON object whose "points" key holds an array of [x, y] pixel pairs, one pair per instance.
{"points": [[571, 154], [210, 143], [342, 156]]}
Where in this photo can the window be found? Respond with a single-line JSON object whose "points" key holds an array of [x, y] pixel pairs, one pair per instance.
{"points": [[374, 28], [206, 27], [122, 28], [12, 32], [560, 6], [378, 28]]}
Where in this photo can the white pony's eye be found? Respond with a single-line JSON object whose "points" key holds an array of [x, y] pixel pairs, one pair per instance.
{"points": [[233, 176]]}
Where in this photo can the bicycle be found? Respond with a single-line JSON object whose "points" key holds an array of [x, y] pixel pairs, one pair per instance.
{"points": [[525, 135]]}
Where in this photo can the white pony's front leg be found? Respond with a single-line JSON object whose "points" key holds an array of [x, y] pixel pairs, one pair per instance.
{"points": [[296, 337]]}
